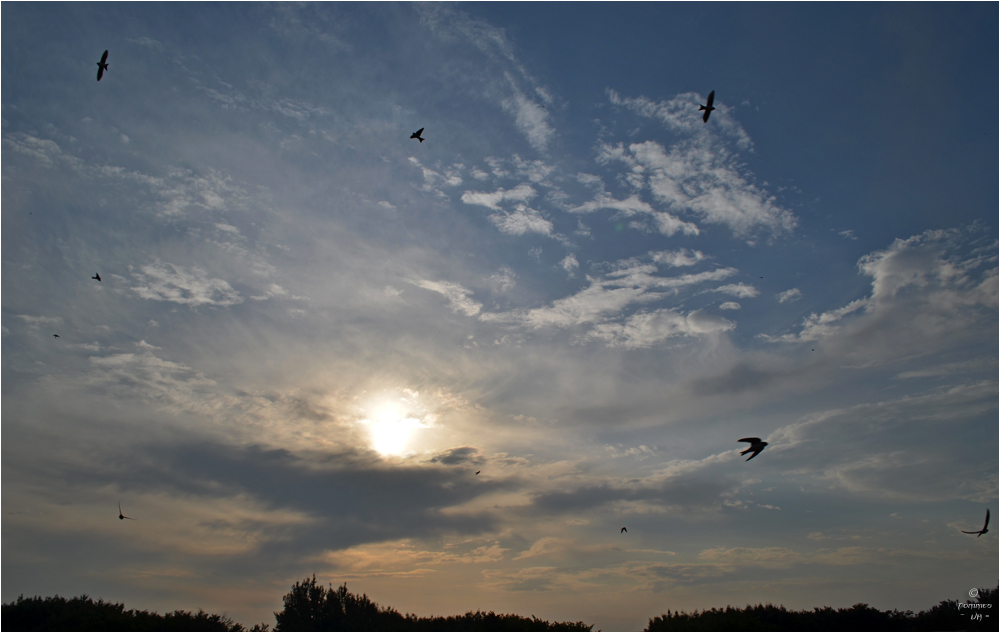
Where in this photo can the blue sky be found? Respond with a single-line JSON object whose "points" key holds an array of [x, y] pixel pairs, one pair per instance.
{"points": [[312, 330]]}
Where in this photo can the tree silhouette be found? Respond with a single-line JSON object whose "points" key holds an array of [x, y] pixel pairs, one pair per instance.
{"points": [[83, 614], [310, 606]]}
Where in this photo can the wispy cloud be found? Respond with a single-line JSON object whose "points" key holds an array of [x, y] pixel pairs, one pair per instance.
{"points": [[459, 300], [192, 287]]}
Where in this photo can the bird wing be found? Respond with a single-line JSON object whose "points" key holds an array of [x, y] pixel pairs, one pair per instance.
{"points": [[104, 57], [752, 440], [987, 518], [705, 116], [419, 132], [711, 98], [100, 72]]}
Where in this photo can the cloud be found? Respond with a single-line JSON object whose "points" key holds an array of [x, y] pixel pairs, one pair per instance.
{"points": [[928, 291], [645, 329], [789, 296], [681, 257], [167, 282], [676, 115], [521, 220], [531, 118], [436, 180], [36, 321], [522, 96], [666, 223], [504, 280], [708, 182], [741, 290], [521, 193], [569, 263], [458, 297], [909, 448], [462, 455], [729, 305], [603, 298]]}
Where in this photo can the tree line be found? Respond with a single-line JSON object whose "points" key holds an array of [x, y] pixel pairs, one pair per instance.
{"points": [[310, 606]]}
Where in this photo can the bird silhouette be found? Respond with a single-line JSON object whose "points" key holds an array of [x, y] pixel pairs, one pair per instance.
{"points": [[755, 445], [416, 135], [121, 516], [708, 108], [55, 336], [623, 530], [478, 471], [102, 65], [984, 530], [97, 276]]}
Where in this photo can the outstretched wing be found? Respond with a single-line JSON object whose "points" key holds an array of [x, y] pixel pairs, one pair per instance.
{"points": [[711, 98], [100, 72], [752, 440], [987, 519], [418, 132], [104, 57], [705, 116]]}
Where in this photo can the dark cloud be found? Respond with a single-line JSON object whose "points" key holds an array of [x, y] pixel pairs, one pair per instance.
{"points": [[463, 455]]}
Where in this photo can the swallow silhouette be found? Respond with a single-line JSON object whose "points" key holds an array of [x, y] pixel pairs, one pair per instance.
{"points": [[97, 276], [708, 108], [984, 530], [102, 65], [416, 135], [755, 445], [121, 516], [55, 336], [623, 530]]}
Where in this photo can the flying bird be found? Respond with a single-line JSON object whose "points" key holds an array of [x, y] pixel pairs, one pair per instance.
{"points": [[55, 335], [708, 108], [416, 135], [97, 276], [755, 445], [984, 530], [478, 471], [102, 65], [121, 516], [623, 530]]}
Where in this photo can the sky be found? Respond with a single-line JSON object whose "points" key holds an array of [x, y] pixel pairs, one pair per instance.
{"points": [[311, 331]]}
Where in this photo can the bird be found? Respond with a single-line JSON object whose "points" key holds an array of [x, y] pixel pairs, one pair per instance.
{"points": [[708, 108], [416, 135], [55, 336], [97, 276], [984, 530], [624, 530], [121, 516], [478, 471], [755, 445], [102, 65]]}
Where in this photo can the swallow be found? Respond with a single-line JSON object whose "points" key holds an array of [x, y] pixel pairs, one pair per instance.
{"points": [[55, 336], [102, 65], [708, 108], [984, 530], [121, 516], [416, 135], [97, 276], [624, 530], [755, 445]]}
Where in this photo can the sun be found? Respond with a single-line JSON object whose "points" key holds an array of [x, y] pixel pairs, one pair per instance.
{"points": [[390, 429]]}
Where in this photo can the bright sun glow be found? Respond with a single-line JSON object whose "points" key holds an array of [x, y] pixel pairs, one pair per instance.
{"points": [[390, 431]]}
